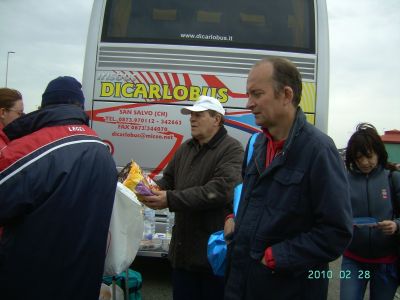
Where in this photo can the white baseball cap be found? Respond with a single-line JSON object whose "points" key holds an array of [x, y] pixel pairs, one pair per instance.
{"points": [[204, 103]]}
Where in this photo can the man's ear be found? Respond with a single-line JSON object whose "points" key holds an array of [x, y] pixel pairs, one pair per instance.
{"points": [[288, 95], [218, 119], [2, 111]]}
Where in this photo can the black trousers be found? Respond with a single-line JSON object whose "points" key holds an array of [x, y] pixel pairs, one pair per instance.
{"points": [[196, 286]]}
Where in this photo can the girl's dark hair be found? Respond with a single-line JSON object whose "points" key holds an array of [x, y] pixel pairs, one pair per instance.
{"points": [[365, 141], [8, 97]]}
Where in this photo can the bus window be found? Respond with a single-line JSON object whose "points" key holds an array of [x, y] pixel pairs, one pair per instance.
{"points": [[120, 16], [283, 25]]}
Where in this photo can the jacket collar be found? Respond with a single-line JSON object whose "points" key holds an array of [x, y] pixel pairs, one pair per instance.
{"points": [[297, 126], [375, 171], [260, 144], [55, 115]]}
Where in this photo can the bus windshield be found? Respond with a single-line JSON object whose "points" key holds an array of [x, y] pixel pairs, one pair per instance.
{"points": [[284, 25]]}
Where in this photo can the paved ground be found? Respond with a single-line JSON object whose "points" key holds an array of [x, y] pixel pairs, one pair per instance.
{"points": [[156, 274], [157, 279]]}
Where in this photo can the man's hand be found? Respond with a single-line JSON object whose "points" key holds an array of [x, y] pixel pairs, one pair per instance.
{"points": [[388, 227], [158, 201], [229, 228]]}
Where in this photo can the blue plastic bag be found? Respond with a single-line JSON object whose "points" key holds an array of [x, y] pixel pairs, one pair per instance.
{"points": [[217, 248], [236, 198], [216, 252]]}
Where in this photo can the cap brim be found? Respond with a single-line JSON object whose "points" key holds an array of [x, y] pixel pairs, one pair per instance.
{"points": [[190, 109]]}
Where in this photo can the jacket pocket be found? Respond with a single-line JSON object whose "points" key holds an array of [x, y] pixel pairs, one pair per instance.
{"points": [[263, 283], [288, 177], [286, 190], [260, 244], [285, 210]]}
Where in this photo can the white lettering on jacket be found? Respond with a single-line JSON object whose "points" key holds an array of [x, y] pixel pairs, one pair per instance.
{"points": [[75, 128]]}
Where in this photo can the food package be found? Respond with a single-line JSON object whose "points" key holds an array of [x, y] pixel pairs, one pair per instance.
{"points": [[137, 182]]}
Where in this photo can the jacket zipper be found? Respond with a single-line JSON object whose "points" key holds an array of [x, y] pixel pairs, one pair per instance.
{"points": [[260, 171], [369, 214]]}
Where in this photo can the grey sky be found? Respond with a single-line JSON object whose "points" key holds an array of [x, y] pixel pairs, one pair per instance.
{"points": [[49, 40]]}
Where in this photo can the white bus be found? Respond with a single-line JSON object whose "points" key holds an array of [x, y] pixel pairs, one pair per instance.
{"points": [[145, 59]]}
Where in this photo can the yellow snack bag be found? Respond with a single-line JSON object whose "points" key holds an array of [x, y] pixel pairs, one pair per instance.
{"points": [[134, 176], [136, 181]]}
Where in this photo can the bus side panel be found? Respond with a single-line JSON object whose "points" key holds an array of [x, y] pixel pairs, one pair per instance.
{"points": [[151, 133], [169, 87]]}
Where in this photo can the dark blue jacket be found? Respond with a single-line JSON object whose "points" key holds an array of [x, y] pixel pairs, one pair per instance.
{"points": [[371, 197], [57, 185], [299, 205]]}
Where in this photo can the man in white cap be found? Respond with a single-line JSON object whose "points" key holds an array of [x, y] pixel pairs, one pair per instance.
{"points": [[197, 185]]}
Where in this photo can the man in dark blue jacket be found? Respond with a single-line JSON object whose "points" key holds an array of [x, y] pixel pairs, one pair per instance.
{"points": [[57, 185], [295, 214]]}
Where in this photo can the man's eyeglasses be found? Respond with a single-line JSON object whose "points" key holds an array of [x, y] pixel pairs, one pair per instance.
{"points": [[18, 112]]}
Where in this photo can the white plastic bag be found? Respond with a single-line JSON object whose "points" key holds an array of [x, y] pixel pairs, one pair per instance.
{"points": [[106, 292], [125, 233]]}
